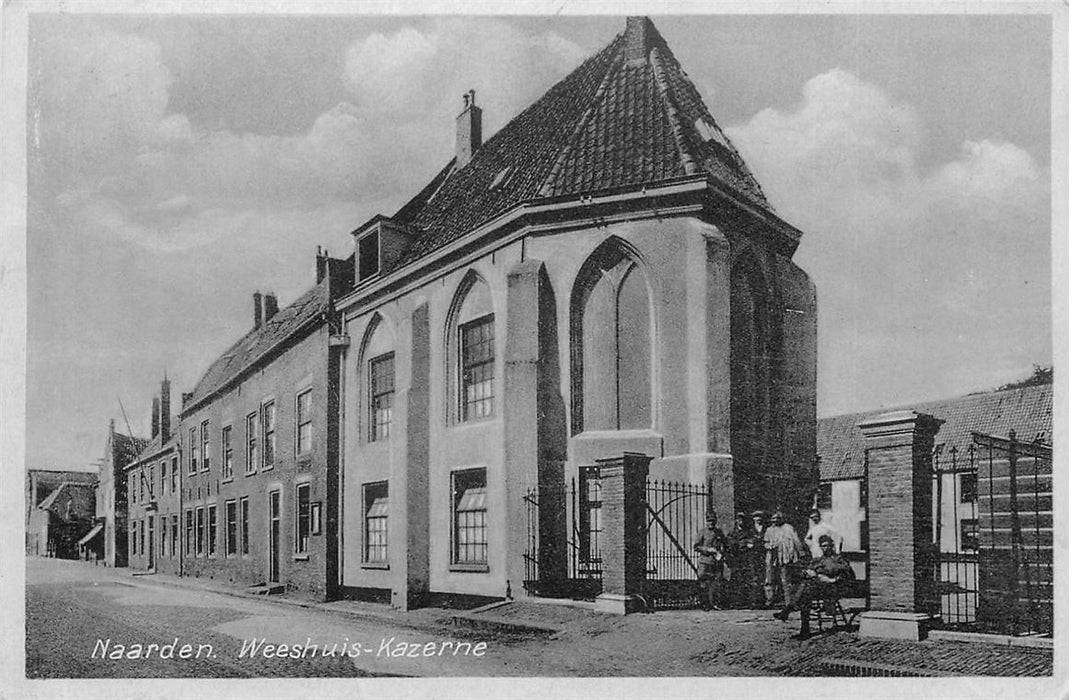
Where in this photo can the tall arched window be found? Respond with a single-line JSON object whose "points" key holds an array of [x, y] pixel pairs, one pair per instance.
{"points": [[471, 351], [611, 343], [377, 363]]}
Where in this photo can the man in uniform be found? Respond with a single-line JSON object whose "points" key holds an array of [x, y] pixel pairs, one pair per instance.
{"points": [[742, 546], [822, 579], [711, 546]]}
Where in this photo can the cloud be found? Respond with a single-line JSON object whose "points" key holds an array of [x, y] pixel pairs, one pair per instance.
{"points": [[947, 266]]}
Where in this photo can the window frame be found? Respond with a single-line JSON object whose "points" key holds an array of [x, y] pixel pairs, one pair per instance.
{"points": [[205, 445], [300, 448], [213, 529], [252, 454], [200, 530], [175, 521], [174, 474], [302, 515], [230, 510], [466, 369], [226, 437], [268, 408], [371, 493], [191, 534], [479, 526], [378, 430], [243, 517], [192, 451]]}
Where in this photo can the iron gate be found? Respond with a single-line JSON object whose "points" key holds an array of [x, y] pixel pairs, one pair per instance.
{"points": [[995, 536]]}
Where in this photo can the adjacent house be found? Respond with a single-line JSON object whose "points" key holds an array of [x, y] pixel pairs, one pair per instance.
{"points": [[602, 276], [258, 445], [60, 513]]}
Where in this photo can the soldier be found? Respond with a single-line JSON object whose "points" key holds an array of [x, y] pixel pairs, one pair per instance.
{"points": [[742, 546], [783, 552], [711, 545]]}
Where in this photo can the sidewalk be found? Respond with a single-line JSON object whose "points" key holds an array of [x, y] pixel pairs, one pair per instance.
{"points": [[532, 638]]}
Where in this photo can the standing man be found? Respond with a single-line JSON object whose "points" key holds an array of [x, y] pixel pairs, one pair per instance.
{"points": [[711, 546], [742, 546], [784, 552], [818, 529]]}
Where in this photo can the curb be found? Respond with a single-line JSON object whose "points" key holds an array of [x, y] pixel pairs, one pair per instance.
{"points": [[494, 623]]}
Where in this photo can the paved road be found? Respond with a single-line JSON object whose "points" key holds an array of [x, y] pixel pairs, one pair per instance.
{"points": [[86, 622]]}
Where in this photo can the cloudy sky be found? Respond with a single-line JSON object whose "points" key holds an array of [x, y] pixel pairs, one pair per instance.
{"points": [[177, 164]]}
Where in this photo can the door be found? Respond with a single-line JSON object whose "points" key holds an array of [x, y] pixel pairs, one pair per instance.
{"points": [[151, 542], [274, 534]]}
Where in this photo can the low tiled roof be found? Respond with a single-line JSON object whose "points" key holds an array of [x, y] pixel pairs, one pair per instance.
{"points": [[309, 308], [612, 123], [1027, 411], [82, 496]]}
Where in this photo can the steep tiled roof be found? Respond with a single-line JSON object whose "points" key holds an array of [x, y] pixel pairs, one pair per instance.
{"points": [[612, 123], [126, 448], [257, 343], [82, 497], [153, 446], [1026, 411]]}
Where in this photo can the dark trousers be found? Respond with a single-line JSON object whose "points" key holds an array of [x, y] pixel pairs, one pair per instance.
{"points": [[711, 584]]}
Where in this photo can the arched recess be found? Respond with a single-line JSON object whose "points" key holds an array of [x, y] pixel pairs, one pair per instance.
{"points": [[751, 366], [471, 351], [377, 365], [612, 342]]}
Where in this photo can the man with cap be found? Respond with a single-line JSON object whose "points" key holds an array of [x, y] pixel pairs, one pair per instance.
{"points": [[783, 553], [711, 546], [817, 529], [822, 579], [742, 546]]}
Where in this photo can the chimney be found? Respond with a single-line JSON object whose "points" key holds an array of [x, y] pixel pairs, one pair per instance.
{"points": [[257, 310], [637, 40], [469, 130], [155, 416], [270, 306], [165, 410], [321, 264]]}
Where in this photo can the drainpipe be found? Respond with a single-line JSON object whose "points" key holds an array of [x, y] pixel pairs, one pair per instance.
{"points": [[181, 511]]}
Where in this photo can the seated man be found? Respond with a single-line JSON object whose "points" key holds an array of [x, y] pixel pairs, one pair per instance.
{"points": [[822, 580]]}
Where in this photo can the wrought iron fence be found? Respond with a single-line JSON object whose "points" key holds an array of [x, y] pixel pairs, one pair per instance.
{"points": [[676, 514], [995, 541]]}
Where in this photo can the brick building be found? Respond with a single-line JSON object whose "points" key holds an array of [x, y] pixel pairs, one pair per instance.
{"points": [[60, 511], [257, 444], [604, 275]]}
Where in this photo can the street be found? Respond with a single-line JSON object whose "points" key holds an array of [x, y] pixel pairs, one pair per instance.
{"points": [[94, 622]]}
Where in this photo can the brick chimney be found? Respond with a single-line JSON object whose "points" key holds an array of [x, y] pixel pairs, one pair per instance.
{"points": [[165, 410], [469, 130], [155, 416], [637, 40], [270, 306], [257, 310]]}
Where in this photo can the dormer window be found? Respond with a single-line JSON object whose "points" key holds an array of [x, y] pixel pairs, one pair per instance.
{"points": [[367, 251]]}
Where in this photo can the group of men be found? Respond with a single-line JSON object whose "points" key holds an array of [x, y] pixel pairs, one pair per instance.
{"points": [[759, 565]]}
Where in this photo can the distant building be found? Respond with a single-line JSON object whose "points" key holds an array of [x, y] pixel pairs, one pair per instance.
{"points": [[111, 506], [843, 494], [40, 483], [61, 519]]}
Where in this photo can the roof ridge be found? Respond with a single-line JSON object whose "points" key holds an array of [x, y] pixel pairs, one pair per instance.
{"points": [[546, 190], [690, 167]]}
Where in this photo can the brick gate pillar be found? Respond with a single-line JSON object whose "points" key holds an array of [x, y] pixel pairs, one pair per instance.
{"points": [[901, 573], [623, 531]]}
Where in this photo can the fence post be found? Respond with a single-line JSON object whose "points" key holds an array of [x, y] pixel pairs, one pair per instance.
{"points": [[901, 558], [623, 536]]}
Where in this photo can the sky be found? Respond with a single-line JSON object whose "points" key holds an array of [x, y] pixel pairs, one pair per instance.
{"points": [[177, 164]]}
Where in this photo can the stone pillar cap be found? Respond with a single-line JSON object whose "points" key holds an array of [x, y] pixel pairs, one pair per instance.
{"points": [[893, 417]]}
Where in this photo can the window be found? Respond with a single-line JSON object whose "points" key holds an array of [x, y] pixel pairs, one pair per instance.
{"points": [[251, 454], [376, 515], [612, 342], [228, 453], [141, 539], [824, 501], [140, 486], [244, 524], [152, 482], [269, 434], [304, 422], [174, 534], [970, 534], [132, 498], [368, 254], [133, 538], [968, 487], [212, 529], [469, 517], [231, 528], [163, 535], [477, 369], [200, 530], [204, 446], [189, 532], [192, 451], [163, 477], [304, 517], [380, 370], [863, 535], [174, 475]]}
